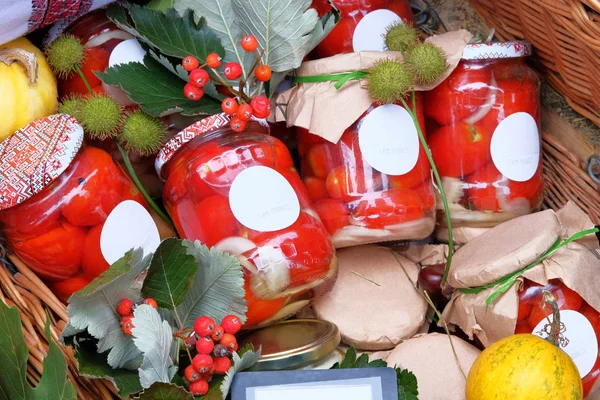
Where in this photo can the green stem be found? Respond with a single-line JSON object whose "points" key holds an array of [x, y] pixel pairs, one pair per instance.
{"points": [[87, 85], [139, 185], [438, 180], [128, 165]]}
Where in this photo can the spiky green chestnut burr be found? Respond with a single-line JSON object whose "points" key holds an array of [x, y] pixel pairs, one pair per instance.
{"points": [[428, 61], [400, 37], [389, 81], [142, 133], [65, 55], [100, 116], [71, 106]]}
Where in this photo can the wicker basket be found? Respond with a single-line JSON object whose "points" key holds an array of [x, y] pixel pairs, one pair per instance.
{"points": [[566, 179], [566, 37]]}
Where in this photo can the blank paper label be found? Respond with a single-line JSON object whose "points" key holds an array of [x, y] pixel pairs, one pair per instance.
{"points": [[388, 140], [515, 147], [128, 226], [262, 199], [583, 344], [362, 392], [370, 31]]}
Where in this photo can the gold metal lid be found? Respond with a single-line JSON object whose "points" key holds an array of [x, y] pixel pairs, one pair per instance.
{"points": [[292, 344]]}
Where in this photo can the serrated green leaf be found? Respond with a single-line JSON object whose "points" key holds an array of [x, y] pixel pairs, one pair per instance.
{"points": [[165, 391], [214, 388], [222, 20], [408, 388], [377, 364], [160, 5], [240, 362], [13, 358], [94, 366], [93, 308], [218, 288], [156, 90], [286, 30], [54, 383], [349, 359], [170, 275], [13, 355], [362, 361], [154, 338]]}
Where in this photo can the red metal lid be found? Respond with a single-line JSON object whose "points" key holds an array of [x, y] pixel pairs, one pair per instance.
{"points": [[35, 156], [496, 50], [176, 142]]}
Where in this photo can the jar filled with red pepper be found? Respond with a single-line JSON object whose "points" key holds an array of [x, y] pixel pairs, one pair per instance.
{"points": [[362, 24], [374, 185], [67, 210], [484, 134], [240, 193], [105, 45]]}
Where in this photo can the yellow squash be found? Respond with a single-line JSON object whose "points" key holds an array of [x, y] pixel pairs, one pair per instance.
{"points": [[525, 367], [27, 86]]}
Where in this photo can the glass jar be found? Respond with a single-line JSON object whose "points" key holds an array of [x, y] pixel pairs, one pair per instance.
{"points": [[100, 38], [484, 133], [374, 185], [362, 24], [68, 211], [583, 320], [241, 193]]}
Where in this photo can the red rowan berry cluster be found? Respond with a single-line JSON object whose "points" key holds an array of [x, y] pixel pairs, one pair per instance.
{"points": [[214, 345], [240, 107], [125, 310]]}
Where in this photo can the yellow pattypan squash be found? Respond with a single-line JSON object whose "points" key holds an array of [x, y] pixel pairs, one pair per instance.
{"points": [[27, 86]]}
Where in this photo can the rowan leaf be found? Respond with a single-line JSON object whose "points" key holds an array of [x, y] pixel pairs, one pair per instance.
{"points": [[218, 287], [93, 308], [174, 34], [165, 391], [171, 274], [241, 361], [158, 91], [154, 338], [408, 388]]}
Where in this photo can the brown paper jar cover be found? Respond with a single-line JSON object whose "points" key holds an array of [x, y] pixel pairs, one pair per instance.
{"points": [[510, 247], [373, 303], [431, 359], [312, 105]]}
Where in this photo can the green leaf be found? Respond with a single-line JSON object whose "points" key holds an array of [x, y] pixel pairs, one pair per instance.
{"points": [[165, 391], [220, 17], [241, 361], [160, 5], [54, 383], [170, 275], [175, 35], [286, 30], [350, 361], [349, 358], [95, 366], [13, 358], [154, 338], [408, 388], [93, 308], [218, 288], [156, 90]]}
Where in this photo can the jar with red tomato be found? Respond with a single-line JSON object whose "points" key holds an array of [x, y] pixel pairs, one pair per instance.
{"points": [[67, 210], [362, 24], [374, 184], [105, 45], [582, 323], [240, 193], [483, 123]]}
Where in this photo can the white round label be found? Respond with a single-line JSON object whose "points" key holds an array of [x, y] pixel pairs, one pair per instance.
{"points": [[369, 34], [515, 147], [125, 52], [388, 140], [582, 344], [262, 199], [128, 226]]}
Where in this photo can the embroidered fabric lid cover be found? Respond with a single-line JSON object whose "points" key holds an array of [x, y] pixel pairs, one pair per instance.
{"points": [[495, 50], [35, 156], [196, 129]]}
